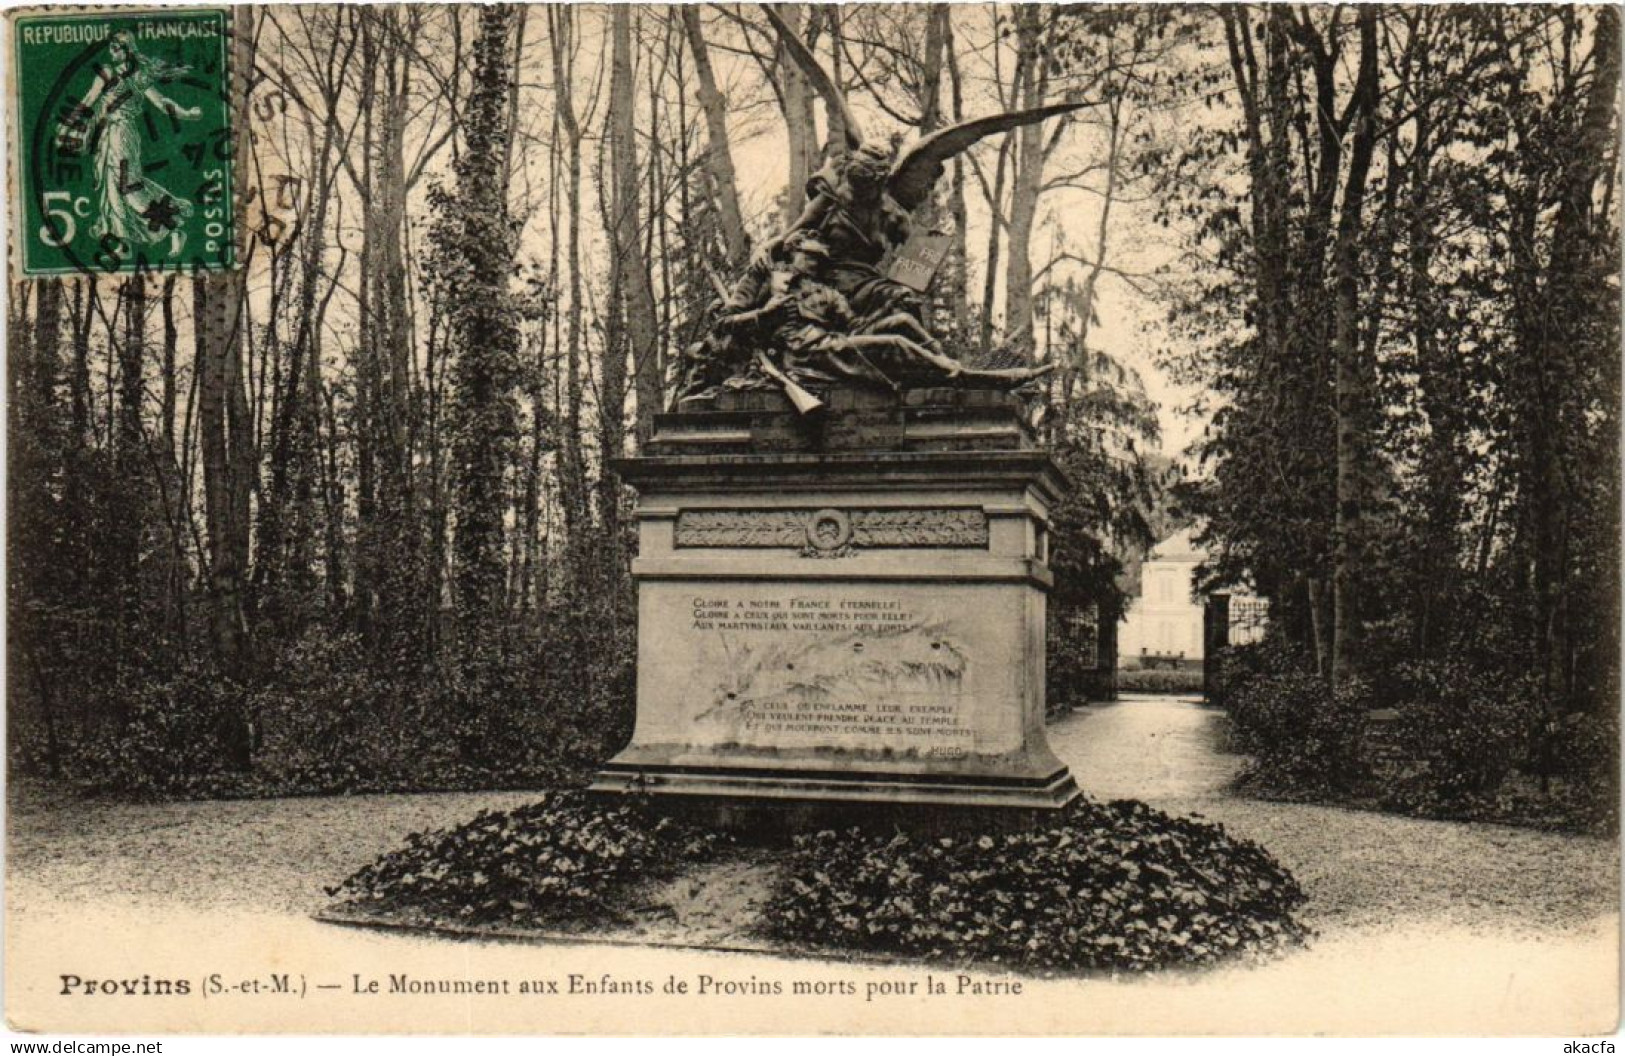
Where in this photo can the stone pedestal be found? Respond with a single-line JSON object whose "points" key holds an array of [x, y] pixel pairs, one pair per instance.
{"points": [[843, 610]]}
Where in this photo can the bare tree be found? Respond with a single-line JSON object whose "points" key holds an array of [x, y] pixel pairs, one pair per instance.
{"points": [[718, 155]]}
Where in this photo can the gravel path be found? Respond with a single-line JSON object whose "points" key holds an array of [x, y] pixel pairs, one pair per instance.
{"points": [[1363, 870], [274, 854]]}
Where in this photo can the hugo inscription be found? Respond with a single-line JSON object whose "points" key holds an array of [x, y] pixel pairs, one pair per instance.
{"points": [[825, 669]]}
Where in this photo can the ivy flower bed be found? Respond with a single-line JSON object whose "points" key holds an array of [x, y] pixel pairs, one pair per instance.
{"points": [[1119, 886], [560, 862]]}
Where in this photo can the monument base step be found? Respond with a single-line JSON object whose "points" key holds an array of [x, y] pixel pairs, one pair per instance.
{"points": [[751, 798]]}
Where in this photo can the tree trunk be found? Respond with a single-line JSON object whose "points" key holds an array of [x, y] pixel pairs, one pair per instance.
{"points": [[1319, 632], [131, 459], [173, 494], [337, 557], [216, 303], [1091, 280], [611, 380], [394, 543], [718, 156], [637, 299], [959, 295], [1444, 478], [288, 518], [1354, 374], [218, 308], [132, 353], [1556, 328], [995, 224], [1025, 188], [484, 333], [572, 467], [84, 295], [42, 570], [798, 121], [45, 356]]}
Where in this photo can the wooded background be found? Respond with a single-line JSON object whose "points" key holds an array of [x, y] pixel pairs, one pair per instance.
{"points": [[341, 519]]}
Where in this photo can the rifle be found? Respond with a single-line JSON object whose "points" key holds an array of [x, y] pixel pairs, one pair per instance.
{"points": [[805, 401]]}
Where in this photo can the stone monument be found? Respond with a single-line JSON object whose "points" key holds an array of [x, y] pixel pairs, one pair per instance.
{"points": [[845, 610], [843, 529]]}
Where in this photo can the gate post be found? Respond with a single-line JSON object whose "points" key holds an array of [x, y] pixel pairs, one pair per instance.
{"points": [[1215, 638]]}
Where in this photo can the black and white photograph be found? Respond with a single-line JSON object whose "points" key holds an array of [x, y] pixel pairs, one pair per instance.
{"points": [[866, 519]]}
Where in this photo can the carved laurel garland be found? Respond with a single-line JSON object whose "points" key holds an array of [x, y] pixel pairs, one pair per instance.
{"points": [[965, 527], [752, 528], [919, 527]]}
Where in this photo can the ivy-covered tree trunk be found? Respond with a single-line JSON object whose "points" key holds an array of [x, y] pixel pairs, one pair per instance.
{"points": [[484, 328]]}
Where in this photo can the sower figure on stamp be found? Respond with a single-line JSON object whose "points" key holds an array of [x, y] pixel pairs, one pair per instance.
{"points": [[131, 206]]}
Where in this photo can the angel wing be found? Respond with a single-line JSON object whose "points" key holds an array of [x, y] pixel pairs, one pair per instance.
{"points": [[843, 126], [916, 172]]}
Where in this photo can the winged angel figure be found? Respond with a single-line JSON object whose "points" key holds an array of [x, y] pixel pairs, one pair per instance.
{"points": [[814, 307]]}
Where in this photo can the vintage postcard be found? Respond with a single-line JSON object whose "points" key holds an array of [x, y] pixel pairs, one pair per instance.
{"points": [[864, 519]]}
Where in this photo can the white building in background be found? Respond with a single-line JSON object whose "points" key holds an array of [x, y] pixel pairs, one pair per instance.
{"points": [[1164, 622]]}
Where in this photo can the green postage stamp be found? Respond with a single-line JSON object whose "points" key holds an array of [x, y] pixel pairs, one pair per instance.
{"points": [[123, 140]]}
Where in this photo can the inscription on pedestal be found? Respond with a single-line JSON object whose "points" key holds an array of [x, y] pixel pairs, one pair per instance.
{"points": [[831, 667]]}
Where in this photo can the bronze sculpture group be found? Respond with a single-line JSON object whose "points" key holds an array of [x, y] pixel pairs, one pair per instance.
{"points": [[814, 308]]}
